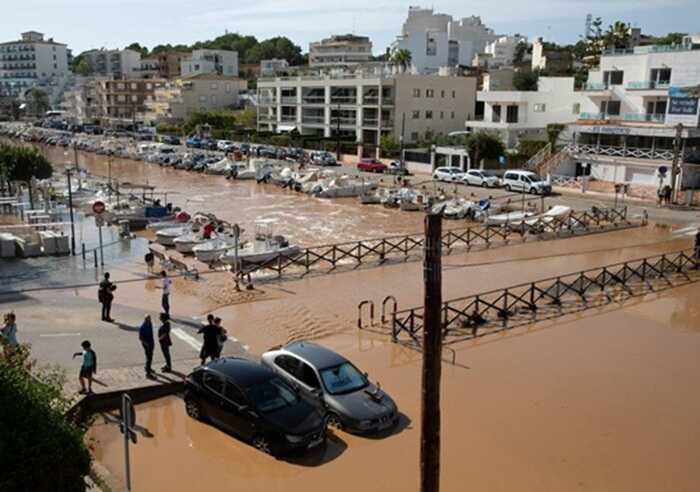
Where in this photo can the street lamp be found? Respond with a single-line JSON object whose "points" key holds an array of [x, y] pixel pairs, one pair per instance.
{"points": [[70, 206]]}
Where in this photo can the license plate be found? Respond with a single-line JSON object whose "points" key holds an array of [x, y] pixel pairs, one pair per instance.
{"points": [[315, 443]]}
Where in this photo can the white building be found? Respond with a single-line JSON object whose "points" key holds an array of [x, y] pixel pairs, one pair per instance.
{"points": [[436, 40], [345, 50], [635, 102], [33, 62], [501, 51], [269, 68], [516, 115], [366, 105], [222, 62], [120, 64]]}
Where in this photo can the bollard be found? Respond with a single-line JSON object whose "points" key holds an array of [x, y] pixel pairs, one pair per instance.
{"points": [[83, 246], [94, 251]]}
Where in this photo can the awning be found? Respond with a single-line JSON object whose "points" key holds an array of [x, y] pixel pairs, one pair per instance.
{"points": [[286, 128]]}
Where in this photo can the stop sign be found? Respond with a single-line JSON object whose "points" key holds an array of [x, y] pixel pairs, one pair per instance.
{"points": [[98, 207]]}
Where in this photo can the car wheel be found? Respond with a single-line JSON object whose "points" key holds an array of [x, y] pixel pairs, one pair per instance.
{"points": [[333, 422], [507, 187], [532, 191], [484, 184], [263, 443], [194, 410]]}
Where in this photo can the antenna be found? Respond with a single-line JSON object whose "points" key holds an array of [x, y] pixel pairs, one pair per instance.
{"points": [[589, 20]]}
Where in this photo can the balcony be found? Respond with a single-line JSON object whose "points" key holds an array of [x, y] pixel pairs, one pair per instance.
{"points": [[344, 100], [645, 118], [596, 87], [313, 120], [387, 124], [288, 119], [268, 118], [648, 85], [343, 121], [289, 100], [267, 101], [313, 100], [373, 122], [579, 150], [593, 116]]}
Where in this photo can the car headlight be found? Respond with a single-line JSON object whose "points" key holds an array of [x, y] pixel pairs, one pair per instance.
{"points": [[293, 439]]}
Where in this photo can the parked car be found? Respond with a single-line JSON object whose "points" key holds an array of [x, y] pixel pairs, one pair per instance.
{"points": [[526, 181], [194, 143], [225, 145], [477, 177], [333, 383], [170, 140], [371, 166], [252, 402], [395, 167], [209, 144], [323, 158], [448, 174]]}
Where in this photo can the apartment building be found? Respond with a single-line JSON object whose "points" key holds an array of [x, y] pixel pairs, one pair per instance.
{"points": [[178, 99], [222, 62], [366, 104], [344, 50], [516, 115], [32, 61], [169, 63], [437, 40], [552, 59], [122, 100], [639, 101], [270, 68], [500, 53], [119, 64]]}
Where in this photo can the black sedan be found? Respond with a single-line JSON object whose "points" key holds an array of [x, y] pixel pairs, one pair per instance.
{"points": [[331, 381], [252, 402]]}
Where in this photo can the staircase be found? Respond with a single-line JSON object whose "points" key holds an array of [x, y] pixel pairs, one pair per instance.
{"points": [[553, 162]]}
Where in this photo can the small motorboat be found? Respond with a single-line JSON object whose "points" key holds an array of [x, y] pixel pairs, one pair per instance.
{"points": [[187, 241], [264, 248], [212, 250], [167, 235], [508, 218]]}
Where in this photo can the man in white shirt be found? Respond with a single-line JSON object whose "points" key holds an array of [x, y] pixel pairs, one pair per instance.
{"points": [[165, 301]]}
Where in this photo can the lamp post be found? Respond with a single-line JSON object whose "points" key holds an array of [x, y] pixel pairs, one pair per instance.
{"points": [[70, 206]]}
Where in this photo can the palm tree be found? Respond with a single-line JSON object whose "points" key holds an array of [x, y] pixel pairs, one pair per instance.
{"points": [[402, 58], [617, 36]]}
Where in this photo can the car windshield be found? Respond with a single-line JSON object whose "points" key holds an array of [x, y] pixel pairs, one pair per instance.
{"points": [[341, 379], [272, 395], [534, 178]]}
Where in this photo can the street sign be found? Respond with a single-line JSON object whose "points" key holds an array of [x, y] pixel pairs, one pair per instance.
{"points": [[128, 420], [662, 171], [98, 207]]}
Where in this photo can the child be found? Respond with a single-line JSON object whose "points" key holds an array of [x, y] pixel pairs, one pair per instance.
{"points": [[88, 367]]}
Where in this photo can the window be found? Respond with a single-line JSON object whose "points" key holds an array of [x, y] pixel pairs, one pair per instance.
{"points": [[287, 363], [613, 77], [442, 115], [429, 93], [213, 99], [121, 98], [454, 94], [496, 113], [415, 115], [214, 86], [610, 108], [442, 93], [512, 114], [414, 136], [452, 115], [228, 87], [306, 375], [134, 98], [660, 77], [428, 115], [202, 98], [232, 393], [213, 382], [149, 86], [120, 86], [540, 108], [576, 108], [134, 86], [416, 92]]}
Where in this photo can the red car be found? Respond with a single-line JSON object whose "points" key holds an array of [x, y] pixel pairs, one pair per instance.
{"points": [[371, 166]]}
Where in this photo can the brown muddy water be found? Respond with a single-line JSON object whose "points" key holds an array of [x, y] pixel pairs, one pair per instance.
{"points": [[600, 401]]}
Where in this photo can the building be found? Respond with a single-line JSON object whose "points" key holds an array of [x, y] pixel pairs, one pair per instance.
{"points": [[344, 50], [222, 62], [118, 101], [639, 101], [553, 59], [501, 52], [366, 104], [149, 68], [33, 62], [178, 99], [436, 40], [516, 115], [169, 63], [119, 64], [270, 68]]}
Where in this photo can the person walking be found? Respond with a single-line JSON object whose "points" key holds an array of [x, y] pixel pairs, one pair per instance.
{"points": [[165, 341], [211, 340], [88, 368], [223, 336], [146, 338], [105, 295], [165, 298], [9, 334]]}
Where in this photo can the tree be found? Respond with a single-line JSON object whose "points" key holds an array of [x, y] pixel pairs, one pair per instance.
{"points": [[217, 120], [37, 102], [617, 36], [42, 450], [401, 58], [670, 38], [520, 51], [526, 81], [22, 164], [248, 118], [389, 145], [483, 145], [528, 148], [137, 47]]}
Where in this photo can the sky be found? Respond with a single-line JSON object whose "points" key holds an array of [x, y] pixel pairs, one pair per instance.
{"points": [[86, 24]]}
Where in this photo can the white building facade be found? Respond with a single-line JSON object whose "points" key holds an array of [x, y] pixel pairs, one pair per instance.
{"points": [[205, 61], [345, 50], [436, 40], [269, 68], [33, 62], [501, 52], [119, 64]]}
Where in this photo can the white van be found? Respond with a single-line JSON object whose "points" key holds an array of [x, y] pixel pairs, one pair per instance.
{"points": [[526, 181]]}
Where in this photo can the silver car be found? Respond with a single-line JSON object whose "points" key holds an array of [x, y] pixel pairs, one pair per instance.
{"points": [[332, 382]]}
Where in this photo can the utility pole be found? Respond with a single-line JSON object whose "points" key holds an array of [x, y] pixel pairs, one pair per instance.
{"points": [[337, 135], [70, 207], [403, 128], [676, 161], [432, 356]]}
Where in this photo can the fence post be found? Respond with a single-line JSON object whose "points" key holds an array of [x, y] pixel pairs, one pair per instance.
{"points": [[94, 254], [83, 248]]}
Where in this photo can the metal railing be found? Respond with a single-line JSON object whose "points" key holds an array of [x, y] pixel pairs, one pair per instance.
{"points": [[614, 151], [543, 154], [313, 100], [648, 84], [379, 250], [502, 309], [596, 86], [645, 117]]}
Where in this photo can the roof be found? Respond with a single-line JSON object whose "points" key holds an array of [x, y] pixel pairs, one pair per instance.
{"points": [[208, 76], [243, 372], [316, 355]]}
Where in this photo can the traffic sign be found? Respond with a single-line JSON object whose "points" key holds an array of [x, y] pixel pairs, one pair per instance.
{"points": [[98, 207], [662, 171]]}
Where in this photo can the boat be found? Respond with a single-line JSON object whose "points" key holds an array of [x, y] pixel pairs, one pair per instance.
{"points": [[343, 187], [508, 218], [264, 248], [211, 251], [455, 208], [187, 241]]}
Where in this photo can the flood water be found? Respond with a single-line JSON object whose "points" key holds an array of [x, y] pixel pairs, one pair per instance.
{"points": [[600, 401]]}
